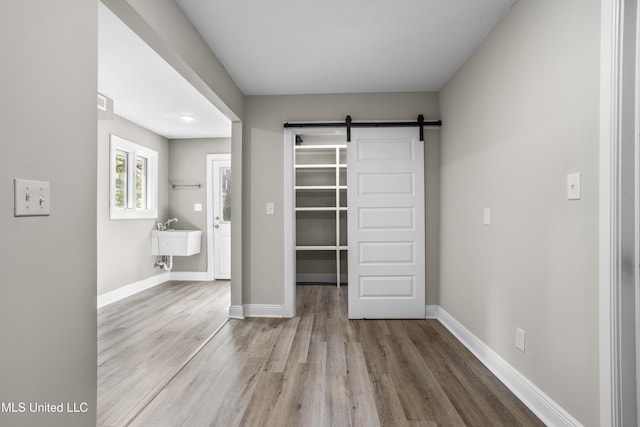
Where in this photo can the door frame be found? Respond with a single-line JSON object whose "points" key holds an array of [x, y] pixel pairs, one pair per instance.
{"points": [[210, 222], [619, 59], [636, 205], [289, 213]]}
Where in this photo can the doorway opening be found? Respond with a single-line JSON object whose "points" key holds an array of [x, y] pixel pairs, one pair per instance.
{"points": [[314, 210], [320, 163]]}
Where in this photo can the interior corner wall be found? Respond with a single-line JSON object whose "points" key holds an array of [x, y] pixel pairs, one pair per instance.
{"points": [[48, 263], [521, 114], [188, 162], [263, 164], [124, 245]]}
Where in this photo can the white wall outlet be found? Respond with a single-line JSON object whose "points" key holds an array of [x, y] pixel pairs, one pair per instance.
{"points": [[31, 198], [197, 207], [271, 210], [520, 339], [573, 186], [486, 216]]}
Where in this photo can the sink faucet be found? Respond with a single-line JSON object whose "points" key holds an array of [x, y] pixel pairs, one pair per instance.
{"points": [[165, 226]]}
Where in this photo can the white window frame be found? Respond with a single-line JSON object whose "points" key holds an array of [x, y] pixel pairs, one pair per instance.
{"points": [[133, 150]]}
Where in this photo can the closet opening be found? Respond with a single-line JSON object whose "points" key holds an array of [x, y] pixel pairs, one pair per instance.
{"points": [[320, 208]]}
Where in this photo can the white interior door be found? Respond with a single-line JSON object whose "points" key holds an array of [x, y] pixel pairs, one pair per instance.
{"points": [[386, 224], [222, 218]]}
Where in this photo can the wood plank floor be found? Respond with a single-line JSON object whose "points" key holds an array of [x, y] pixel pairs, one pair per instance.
{"points": [[144, 340], [321, 369]]}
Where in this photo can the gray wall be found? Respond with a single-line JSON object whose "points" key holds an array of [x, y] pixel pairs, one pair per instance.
{"points": [[263, 163], [188, 161], [48, 264], [124, 245], [518, 116]]}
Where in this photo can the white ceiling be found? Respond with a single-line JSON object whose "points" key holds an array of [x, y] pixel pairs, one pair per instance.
{"points": [[148, 91], [293, 47], [337, 46]]}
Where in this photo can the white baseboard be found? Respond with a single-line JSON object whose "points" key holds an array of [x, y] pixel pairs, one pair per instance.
{"points": [[535, 399], [193, 276], [263, 310], [236, 312], [431, 311], [165, 276], [288, 311], [132, 289]]}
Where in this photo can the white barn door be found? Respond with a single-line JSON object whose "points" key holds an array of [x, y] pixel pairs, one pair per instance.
{"points": [[386, 224]]}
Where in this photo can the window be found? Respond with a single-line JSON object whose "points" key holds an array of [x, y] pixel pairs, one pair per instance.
{"points": [[134, 180], [225, 183]]}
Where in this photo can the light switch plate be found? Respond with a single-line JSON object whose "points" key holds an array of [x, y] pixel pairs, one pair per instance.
{"points": [[197, 207], [573, 186], [486, 216], [31, 198], [270, 208]]}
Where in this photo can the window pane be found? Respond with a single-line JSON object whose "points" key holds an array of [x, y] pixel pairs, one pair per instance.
{"points": [[134, 180], [141, 182], [225, 191], [121, 179]]}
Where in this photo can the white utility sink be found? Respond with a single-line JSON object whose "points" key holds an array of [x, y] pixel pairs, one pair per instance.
{"points": [[175, 242]]}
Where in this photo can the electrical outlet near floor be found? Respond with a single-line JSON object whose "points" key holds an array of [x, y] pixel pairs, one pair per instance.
{"points": [[520, 339]]}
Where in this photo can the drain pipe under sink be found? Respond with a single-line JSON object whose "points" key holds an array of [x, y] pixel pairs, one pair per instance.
{"points": [[164, 261]]}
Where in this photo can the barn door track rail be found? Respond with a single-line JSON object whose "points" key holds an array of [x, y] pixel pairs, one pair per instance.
{"points": [[349, 124]]}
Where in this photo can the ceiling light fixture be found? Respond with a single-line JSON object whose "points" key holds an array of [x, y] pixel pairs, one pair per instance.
{"points": [[187, 118]]}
